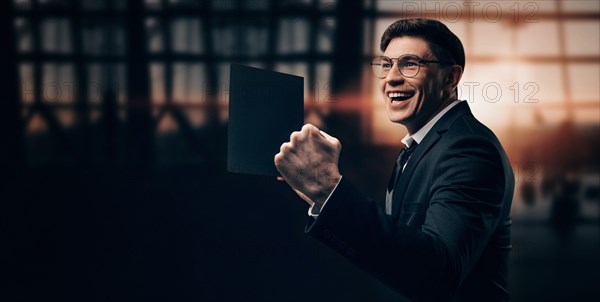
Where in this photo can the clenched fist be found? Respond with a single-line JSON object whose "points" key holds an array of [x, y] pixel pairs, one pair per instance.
{"points": [[309, 163]]}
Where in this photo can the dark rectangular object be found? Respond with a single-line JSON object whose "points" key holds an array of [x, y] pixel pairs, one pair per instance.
{"points": [[265, 107]]}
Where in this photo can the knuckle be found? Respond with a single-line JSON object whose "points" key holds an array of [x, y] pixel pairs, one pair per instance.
{"points": [[336, 146], [295, 136], [277, 159], [307, 128], [286, 147]]}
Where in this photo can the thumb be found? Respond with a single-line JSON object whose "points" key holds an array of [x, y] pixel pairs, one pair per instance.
{"points": [[329, 138]]}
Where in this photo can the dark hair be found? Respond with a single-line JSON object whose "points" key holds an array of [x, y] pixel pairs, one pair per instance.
{"points": [[443, 43]]}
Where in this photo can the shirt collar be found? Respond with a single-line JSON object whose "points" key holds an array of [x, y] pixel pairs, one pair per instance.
{"points": [[421, 133]]}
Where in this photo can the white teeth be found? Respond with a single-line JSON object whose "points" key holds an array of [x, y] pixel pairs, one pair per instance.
{"points": [[399, 94]]}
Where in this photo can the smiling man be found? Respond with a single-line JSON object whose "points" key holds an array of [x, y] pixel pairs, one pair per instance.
{"points": [[444, 233]]}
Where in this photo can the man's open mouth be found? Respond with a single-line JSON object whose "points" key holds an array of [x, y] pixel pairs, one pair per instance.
{"points": [[400, 96]]}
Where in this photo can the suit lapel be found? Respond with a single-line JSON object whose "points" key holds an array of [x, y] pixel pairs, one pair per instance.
{"points": [[428, 142]]}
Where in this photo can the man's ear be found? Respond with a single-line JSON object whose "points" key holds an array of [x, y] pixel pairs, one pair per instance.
{"points": [[453, 77]]}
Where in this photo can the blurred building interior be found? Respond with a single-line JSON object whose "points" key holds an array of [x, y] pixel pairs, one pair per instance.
{"points": [[115, 123]]}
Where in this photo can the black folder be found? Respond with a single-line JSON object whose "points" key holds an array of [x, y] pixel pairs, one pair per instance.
{"points": [[265, 107]]}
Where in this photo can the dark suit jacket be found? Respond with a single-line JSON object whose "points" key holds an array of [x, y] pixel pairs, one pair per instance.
{"points": [[448, 237]]}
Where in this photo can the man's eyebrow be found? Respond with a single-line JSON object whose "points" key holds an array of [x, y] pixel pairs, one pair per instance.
{"points": [[425, 57]]}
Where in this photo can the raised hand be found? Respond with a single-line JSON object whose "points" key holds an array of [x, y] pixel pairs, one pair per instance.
{"points": [[309, 163]]}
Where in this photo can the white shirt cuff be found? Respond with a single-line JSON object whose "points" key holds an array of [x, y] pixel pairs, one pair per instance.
{"points": [[314, 210]]}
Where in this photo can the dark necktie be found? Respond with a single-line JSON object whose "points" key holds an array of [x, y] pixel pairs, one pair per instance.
{"points": [[400, 162]]}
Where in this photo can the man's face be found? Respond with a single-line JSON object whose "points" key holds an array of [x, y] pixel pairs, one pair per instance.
{"points": [[420, 98]]}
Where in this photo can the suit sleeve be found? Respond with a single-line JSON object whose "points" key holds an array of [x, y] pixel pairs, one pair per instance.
{"points": [[427, 263]]}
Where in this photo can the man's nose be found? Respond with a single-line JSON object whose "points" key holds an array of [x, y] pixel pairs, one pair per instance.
{"points": [[394, 77]]}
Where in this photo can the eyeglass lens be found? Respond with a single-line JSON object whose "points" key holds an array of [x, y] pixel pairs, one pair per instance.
{"points": [[408, 66]]}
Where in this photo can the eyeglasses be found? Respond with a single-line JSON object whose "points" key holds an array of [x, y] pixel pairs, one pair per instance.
{"points": [[408, 65]]}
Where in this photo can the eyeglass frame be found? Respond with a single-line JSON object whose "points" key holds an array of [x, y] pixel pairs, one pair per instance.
{"points": [[419, 60]]}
